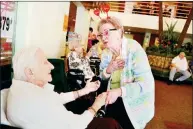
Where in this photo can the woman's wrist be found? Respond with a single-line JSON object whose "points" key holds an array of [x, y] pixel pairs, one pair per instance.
{"points": [[95, 107], [92, 110], [83, 92], [76, 94]]}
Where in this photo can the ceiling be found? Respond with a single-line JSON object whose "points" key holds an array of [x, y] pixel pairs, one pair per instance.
{"points": [[178, 9]]}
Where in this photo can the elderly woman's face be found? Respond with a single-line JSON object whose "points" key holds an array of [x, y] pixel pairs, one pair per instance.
{"points": [[78, 48], [110, 38], [42, 72]]}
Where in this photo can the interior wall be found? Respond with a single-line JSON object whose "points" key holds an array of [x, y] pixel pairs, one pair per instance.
{"points": [[72, 16], [139, 37], [82, 24], [41, 24], [152, 39]]}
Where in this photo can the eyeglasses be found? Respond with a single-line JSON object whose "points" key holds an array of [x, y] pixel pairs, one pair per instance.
{"points": [[105, 33]]}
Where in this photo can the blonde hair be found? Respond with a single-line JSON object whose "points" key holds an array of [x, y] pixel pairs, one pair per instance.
{"points": [[114, 21]]}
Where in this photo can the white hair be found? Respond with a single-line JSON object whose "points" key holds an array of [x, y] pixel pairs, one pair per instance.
{"points": [[23, 59], [73, 44], [74, 40]]}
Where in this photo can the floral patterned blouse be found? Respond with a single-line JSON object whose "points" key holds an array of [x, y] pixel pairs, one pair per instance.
{"points": [[82, 63]]}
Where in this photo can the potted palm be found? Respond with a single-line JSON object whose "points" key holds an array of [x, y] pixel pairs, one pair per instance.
{"points": [[169, 38]]}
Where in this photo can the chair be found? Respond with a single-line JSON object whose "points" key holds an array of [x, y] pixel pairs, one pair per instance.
{"points": [[94, 64], [76, 81], [5, 124], [6, 78], [75, 78], [59, 79]]}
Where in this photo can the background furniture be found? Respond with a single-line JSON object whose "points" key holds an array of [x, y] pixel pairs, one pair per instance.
{"points": [[160, 66]]}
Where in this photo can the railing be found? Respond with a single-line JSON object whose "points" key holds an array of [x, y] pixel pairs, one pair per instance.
{"points": [[170, 9]]}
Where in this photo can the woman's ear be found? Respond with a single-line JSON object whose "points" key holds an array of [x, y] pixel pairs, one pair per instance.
{"points": [[29, 74], [120, 32]]}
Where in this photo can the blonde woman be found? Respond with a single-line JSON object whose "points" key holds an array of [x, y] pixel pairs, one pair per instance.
{"points": [[132, 84]]}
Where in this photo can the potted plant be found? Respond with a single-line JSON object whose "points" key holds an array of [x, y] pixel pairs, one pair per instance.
{"points": [[170, 37]]}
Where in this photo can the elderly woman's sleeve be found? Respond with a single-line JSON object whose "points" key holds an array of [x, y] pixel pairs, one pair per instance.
{"points": [[80, 121], [73, 60], [72, 121], [143, 78], [67, 97]]}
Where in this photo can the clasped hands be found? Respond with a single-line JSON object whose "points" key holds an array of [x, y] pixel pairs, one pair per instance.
{"points": [[110, 96], [104, 98]]}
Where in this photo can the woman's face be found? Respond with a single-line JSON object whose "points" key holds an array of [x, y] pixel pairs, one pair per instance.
{"points": [[79, 49], [111, 39], [42, 72]]}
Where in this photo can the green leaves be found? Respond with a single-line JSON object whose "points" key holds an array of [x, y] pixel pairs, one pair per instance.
{"points": [[169, 35]]}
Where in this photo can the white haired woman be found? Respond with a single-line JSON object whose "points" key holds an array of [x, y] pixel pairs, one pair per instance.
{"points": [[77, 58], [132, 82], [32, 104]]}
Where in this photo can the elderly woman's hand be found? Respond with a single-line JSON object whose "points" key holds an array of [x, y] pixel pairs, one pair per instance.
{"points": [[115, 65], [89, 54], [99, 101], [112, 95], [91, 86]]}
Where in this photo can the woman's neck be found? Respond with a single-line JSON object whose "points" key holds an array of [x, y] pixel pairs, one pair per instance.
{"points": [[37, 83]]}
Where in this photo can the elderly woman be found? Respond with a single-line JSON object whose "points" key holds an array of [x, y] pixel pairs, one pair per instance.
{"points": [[77, 58], [131, 80], [32, 104]]}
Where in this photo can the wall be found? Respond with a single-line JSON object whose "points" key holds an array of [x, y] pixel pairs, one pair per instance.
{"points": [[72, 16], [152, 39], [82, 23], [144, 21], [139, 37], [41, 24], [93, 24]]}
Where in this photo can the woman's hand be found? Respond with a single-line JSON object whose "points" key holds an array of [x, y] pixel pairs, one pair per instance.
{"points": [[99, 101], [112, 95], [89, 54], [91, 86], [115, 65]]}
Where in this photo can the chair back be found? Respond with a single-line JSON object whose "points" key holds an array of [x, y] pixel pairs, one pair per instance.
{"points": [[59, 79]]}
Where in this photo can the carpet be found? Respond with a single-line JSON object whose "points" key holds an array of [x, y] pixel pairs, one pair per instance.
{"points": [[175, 125]]}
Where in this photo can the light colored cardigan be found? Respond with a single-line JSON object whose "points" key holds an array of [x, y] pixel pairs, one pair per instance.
{"points": [[138, 81]]}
